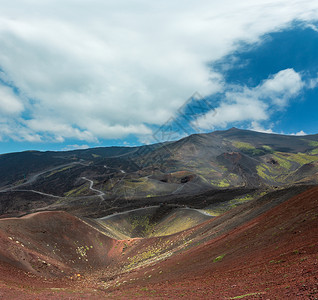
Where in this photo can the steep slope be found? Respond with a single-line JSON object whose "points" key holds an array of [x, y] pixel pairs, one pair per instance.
{"points": [[271, 255], [53, 244], [264, 248]]}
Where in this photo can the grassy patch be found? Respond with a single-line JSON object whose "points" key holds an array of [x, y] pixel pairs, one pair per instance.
{"points": [[58, 171], [141, 257], [283, 162], [251, 150], [246, 295], [212, 212], [262, 171], [76, 192], [245, 198], [256, 152], [219, 258], [286, 162], [268, 148], [242, 145], [313, 144], [151, 196], [142, 223], [314, 151], [300, 158], [223, 183]]}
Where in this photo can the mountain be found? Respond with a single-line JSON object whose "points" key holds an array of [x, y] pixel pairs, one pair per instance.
{"points": [[224, 215], [198, 163]]}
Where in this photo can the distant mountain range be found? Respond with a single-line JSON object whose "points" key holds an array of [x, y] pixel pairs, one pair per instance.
{"points": [[201, 162]]}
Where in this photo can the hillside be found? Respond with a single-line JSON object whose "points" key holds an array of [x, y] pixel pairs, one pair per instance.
{"points": [[224, 215], [262, 248], [198, 163]]}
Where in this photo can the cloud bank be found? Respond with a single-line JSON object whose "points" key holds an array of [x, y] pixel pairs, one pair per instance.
{"points": [[254, 104], [92, 70]]}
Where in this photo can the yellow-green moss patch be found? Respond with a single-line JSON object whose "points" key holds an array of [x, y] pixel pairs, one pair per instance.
{"points": [[243, 145]]}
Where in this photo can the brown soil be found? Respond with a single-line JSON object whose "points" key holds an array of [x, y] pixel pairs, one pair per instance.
{"points": [[260, 250]]}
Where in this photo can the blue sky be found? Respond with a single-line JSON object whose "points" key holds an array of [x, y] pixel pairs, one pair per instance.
{"points": [[116, 73]]}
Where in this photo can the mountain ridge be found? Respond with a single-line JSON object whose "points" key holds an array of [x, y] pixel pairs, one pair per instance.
{"points": [[218, 160]]}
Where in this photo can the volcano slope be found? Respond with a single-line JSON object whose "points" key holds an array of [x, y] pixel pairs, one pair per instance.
{"points": [[262, 249], [108, 179]]}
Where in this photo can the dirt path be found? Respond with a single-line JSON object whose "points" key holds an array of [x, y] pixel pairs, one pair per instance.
{"points": [[34, 178], [91, 184]]}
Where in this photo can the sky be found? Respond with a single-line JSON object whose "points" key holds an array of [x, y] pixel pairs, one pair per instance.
{"points": [[79, 74]]}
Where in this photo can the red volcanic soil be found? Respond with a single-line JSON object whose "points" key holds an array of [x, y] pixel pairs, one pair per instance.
{"points": [[50, 250], [272, 255]]}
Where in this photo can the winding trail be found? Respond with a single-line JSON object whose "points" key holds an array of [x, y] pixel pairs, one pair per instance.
{"points": [[91, 183], [38, 192], [34, 178]]}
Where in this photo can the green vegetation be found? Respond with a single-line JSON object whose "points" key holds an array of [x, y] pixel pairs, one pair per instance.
{"points": [[58, 171], [283, 162], [212, 212], [300, 158], [142, 223], [82, 252], [175, 224], [242, 145], [286, 162], [251, 150], [313, 144], [268, 148], [256, 152], [223, 183], [314, 151], [151, 196], [233, 176], [248, 197], [246, 295], [141, 257], [219, 258], [263, 170], [76, 192]]}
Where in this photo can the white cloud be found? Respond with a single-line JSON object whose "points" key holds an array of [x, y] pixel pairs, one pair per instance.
{"points": [[255, 126], [313, 27], [313, 83], [281, 87], [254, 104], [300, 133], [17, 132], [10, 104], [103, 69], [75, 147], [235, 109]]}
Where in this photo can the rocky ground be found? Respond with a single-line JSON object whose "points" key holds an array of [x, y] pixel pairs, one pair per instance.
{"points": [[263, 249]]}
